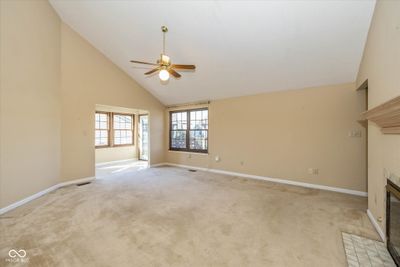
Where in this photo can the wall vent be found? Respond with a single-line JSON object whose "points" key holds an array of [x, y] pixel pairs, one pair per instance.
{"points": [[83, 183]]}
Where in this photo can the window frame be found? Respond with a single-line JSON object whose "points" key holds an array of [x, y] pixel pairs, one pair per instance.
{"points": [[132, 129], [108, 130], [110, 117], [187, 130]]}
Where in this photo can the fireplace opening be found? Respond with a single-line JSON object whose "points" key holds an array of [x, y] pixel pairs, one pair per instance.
{"points": [[393, 220]]}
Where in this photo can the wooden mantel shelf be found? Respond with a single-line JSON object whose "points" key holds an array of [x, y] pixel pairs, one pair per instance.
{"points": [[386, 116]]}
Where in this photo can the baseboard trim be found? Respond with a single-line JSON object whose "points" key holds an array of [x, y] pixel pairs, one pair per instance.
{"points": [[376, 225], [28, 199], [43, 192], [275, 180], [158, 164]]}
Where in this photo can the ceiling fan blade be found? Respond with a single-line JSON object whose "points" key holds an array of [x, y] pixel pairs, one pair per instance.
{"points": [[184, 67], [141, 62], [174, 73], [152, 71]]}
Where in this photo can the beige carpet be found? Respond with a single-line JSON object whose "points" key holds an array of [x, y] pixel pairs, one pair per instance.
{"points": [[172, 217]]}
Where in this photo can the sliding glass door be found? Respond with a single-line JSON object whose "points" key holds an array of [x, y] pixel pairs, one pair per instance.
{"points": [[143, 137]]}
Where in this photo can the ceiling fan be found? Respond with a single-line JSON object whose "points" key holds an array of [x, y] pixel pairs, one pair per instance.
{"points": [[164, 65]]}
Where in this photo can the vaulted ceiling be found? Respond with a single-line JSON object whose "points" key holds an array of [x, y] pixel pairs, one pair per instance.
{"points": [[239, 47]]}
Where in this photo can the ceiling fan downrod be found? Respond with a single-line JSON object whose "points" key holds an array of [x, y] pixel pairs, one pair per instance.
{"points": [[164, 29]]}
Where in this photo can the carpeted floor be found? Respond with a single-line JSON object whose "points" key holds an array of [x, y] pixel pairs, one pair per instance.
{"points": [[108, 170], [172, 217]]}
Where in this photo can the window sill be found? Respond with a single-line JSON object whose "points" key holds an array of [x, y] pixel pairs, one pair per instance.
{"points": [[189, 152]]}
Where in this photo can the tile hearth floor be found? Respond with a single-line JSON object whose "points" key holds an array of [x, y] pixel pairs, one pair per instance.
{"points": [[364, 252]]}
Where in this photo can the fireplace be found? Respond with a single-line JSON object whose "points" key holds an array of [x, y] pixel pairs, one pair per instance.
{"points": [[393, 220]]}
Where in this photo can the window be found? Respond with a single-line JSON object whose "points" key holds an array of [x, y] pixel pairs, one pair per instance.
{"points": [[123, 129], [102, 131], [189, 130], [113, 129]]}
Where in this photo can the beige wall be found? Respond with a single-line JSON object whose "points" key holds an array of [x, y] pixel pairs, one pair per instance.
{"points": [[381, 66], [51, 81], [30, 99], [89, 78], [116, 153], [283, 134]]}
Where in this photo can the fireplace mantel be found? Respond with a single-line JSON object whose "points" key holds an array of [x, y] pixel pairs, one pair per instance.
{"points": [[386, 116]]}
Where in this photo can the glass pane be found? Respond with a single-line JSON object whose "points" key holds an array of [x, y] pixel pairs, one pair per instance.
{"points": [[199, 120], [178, 139], [101, 132], [123, 122], [103, 117], [179, 121], [198, 139], [101, 121], [101, 137], [123, 137]]}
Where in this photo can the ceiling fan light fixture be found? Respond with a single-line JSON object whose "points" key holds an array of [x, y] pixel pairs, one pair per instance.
{"points": [[164, 75], [164, 67]]}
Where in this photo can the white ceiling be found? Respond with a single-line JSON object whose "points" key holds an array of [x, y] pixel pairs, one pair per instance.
{"points": [[239, 47]]}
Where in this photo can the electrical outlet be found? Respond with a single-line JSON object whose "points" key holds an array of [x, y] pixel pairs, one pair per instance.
{"points": [[313, 171], [242, 163], [217, 159], [355, 133]]}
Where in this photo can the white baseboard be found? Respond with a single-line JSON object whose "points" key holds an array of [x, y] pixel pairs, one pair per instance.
{"points": [[275, 180], [43, 192], [188, 167], [115, 161], [77, 181], [28, 199], [158, 164], [376, 225]]}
